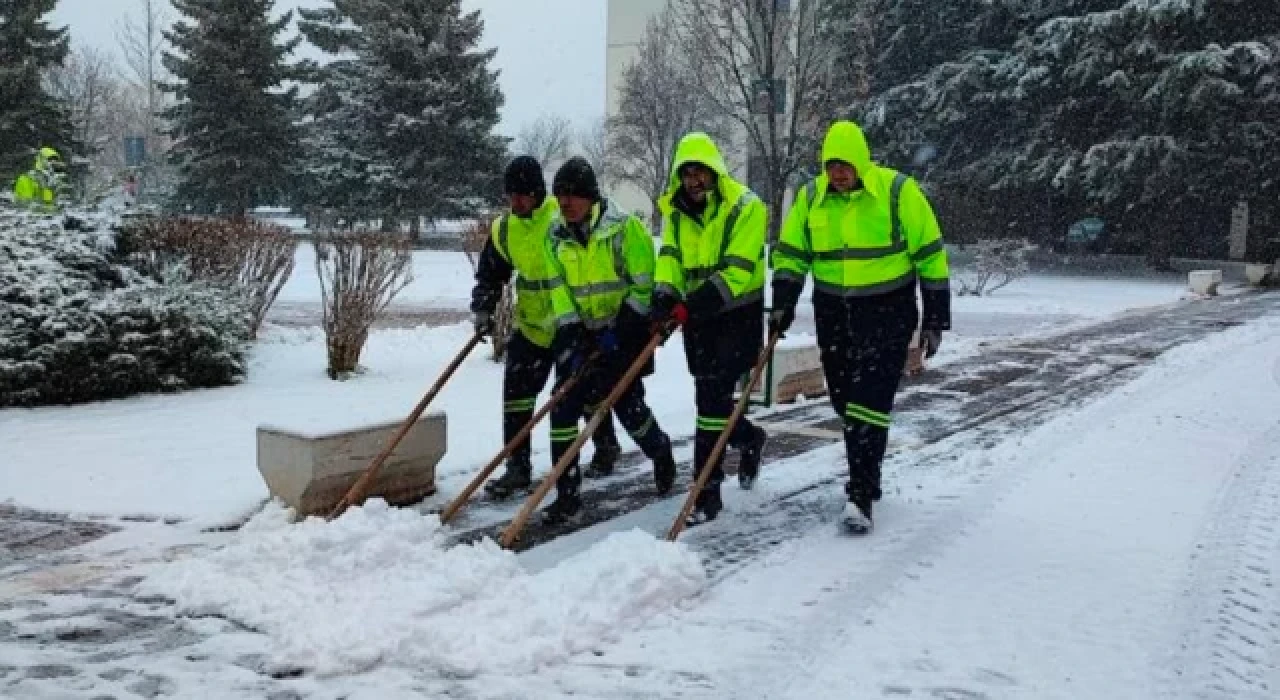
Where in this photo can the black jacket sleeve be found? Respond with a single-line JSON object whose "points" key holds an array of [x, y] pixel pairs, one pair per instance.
{"points": [[936, 314], [492, 274]]}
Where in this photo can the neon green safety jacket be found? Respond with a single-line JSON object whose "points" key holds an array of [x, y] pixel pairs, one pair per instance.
{"points": [[521, 245], [726, 247], [873, 240], [614, 268]]}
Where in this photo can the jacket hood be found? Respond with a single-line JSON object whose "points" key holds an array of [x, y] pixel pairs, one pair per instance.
{"points": [[845, 141], [45, 158], [697, 147]]}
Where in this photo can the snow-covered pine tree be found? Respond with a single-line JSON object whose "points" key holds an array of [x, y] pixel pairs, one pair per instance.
{"points": [[1149, 113], [29, 117], [405, 116], [234, 122], [1166, 112]]}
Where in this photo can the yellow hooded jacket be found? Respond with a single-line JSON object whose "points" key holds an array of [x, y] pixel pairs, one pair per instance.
{"points": [[725, 247], [874, 240], [40, 184]]}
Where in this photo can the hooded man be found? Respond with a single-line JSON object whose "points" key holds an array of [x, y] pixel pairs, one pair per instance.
{"points": [[42, 184], [518, 243], [870, 239], [711, 272], [604, 261]]}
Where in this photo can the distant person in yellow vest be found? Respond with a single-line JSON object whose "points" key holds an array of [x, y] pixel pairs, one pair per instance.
{"points": [[868, 236], [518, 245], [40, 187]]}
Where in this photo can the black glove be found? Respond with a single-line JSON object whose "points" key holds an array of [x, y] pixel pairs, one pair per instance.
{"points": [[930, 340], [781, 319], [568, 344], [483, 322], [661, 306], [704, 302], [606, 340]]}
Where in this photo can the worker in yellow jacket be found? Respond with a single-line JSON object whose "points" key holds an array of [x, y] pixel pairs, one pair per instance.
{"points": [[711, 273], [41, 186], [869, 238], [518, 245], [604, 264]]}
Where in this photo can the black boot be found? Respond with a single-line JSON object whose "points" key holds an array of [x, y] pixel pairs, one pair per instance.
{"points": [[565, 509], [664, 469], [518, 477], [749, 460], [856, 519], [707, 507], [568, 504], [604, 460]]}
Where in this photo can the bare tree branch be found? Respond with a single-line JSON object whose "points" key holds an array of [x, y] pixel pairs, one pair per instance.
{"points": [[85, 82], [752, 55], [659, 103], [548, 139], [593, 143], [141, 41]]}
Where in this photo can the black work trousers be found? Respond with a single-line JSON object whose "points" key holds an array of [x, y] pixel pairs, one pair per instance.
{"points": [[595, 386], [527, 368], [719, 351], [714, 397], [863, 343]]}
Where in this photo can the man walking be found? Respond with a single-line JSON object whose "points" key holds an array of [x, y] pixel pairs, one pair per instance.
{"points": [[711, 272], [605, 260], [518, 243], [869, 237]]}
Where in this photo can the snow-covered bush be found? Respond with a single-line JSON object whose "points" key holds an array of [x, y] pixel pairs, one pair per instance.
{"points": [[993, 264], [78, 324], [241, 255], [360, 273]]}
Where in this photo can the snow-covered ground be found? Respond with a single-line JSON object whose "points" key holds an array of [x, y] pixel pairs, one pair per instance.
{"points": [[1124, 549], [192, 455]]}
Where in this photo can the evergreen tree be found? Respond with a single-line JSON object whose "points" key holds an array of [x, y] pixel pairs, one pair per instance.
{"points": [[405, 117], [234, 121], [1153, 114], [29, 117]]}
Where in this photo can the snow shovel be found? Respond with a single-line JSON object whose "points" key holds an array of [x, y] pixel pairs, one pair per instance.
{"points": [[458, 502], [696, 486], [357, 491], [512, 532]]}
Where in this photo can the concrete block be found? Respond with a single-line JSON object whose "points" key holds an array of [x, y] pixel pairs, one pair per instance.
{"points": [[1257, 273], [1205, 282], [797, 370], [311, 472]]}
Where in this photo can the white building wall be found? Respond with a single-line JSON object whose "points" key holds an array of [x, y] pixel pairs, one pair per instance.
{"points": [[625, 28]]}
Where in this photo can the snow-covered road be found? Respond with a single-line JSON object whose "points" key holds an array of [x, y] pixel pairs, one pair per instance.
{"points": [[1130, 549], [1127, 546]]}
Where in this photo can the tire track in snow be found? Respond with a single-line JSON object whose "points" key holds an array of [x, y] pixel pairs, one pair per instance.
{"points": [[1231, 648]]}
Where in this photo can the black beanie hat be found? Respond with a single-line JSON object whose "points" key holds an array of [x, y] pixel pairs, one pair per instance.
{"points": [[524, 176], [576, 178]]}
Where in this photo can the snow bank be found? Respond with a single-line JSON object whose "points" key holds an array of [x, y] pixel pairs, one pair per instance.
{"points": [[1065, 295], [377, 587]]}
